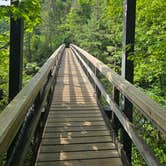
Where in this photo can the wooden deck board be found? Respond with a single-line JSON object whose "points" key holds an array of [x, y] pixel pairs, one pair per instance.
{"points": [[70, 129], [77, 155], [92, 162], [73, 115], [77, 124], [77, 147], [59, 112], [75, 133], [70, 140], [80, 119]]}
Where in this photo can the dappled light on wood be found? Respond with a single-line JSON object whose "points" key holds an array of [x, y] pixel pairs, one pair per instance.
{"points": [[87, 123]]}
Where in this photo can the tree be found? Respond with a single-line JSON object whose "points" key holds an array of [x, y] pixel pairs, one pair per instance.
{"points": [[29, 11]]}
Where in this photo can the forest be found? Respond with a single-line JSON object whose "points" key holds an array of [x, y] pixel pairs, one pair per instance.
{"points": [[95, 26]]}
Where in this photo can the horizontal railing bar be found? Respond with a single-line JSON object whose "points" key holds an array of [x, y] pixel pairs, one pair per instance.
{"points": [[13, 116], [151, 109], [143, 148]]}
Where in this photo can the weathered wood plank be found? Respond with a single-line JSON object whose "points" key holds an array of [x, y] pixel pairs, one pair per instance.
{"points": [[76, 134], [68, 128], [87, 123], [74, 112], [73, 98], [76, 109], [77, 147], [68, 115], [80, 102], [77, 155], [53, 141], [74, 94], [84, 92], [90, 162], [75, 105], [85, 119]]}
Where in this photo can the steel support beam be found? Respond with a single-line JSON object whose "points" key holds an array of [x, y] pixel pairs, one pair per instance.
{"points": [[127, 65], [16, 55]]}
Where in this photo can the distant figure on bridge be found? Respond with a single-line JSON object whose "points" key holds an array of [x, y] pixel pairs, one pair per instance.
{"points": [[67, 41]]}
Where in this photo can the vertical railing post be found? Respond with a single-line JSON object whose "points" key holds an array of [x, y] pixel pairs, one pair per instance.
{"points": [[16, 55], [98, 93], [127, 65], [38, 130], [115, 121]]}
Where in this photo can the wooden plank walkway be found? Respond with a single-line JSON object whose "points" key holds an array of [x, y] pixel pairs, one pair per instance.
{"points": [[75, 133]]}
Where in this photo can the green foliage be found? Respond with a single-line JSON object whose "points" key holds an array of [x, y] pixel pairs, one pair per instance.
{"points": [[4, 61], [28, 10], [31, 68], [150, 46], [97, 27]]}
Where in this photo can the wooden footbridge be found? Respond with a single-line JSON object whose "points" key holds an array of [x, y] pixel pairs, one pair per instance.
{"points": [[75, 130], [59, 117]]}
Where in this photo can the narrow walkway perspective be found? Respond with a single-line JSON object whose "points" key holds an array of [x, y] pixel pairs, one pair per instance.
{"points": [[75, 133]]}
